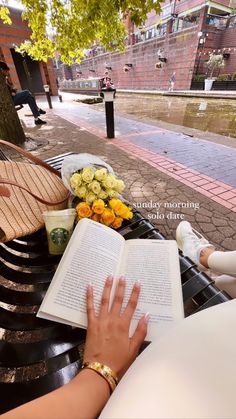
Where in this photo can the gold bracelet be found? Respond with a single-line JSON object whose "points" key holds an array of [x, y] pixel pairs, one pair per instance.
{"points": [[104, 371]]}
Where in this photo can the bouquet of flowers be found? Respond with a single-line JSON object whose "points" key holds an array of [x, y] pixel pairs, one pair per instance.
{"points": [[97, 190]]}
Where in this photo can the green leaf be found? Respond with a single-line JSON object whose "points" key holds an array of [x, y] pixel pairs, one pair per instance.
{"points": [[5, 15]]}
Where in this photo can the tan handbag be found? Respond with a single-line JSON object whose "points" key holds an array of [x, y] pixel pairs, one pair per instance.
{"points": [[26, 190]]}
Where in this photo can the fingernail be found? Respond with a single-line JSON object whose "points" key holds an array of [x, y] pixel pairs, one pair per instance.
{"points": [[137, 284], [122, 279], [147, 318], [90, 285], [110, 278]]}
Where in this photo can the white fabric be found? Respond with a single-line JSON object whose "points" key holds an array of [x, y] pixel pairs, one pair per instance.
{"points": [[226, 283], [223, 262], [78, 161], [190, 373]]}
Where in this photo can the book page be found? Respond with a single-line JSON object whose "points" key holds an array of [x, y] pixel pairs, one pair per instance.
{"points": [[155, 264], [91, 255]]}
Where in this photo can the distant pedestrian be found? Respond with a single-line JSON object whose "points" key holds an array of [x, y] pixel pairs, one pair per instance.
{"points": [[23, 97], [105, 81], [172, 81]]}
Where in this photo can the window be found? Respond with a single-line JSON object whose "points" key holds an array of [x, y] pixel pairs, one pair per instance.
{"points": [[232, 22], [185, 22], [161, 29], [218, 22]]}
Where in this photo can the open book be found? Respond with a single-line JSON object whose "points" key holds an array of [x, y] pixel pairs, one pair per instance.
{"points": [[95, 251]]}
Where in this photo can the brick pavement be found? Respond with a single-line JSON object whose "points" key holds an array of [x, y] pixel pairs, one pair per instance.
{"points": [[147, 185], [195, 162]]}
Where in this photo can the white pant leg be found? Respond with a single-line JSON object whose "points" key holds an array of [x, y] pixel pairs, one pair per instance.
{"points": [[223, 262], [226, 283]]}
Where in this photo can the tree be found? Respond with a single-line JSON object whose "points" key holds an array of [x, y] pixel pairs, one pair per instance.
{"points": [[10, 126], [215, 62], [71, 26]]}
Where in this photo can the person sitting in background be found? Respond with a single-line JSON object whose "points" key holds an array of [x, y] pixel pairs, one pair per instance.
{"points": [[205, 255], [108, 353], [23, 97]]}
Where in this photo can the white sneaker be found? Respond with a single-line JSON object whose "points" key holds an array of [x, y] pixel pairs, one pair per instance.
{"points": [[191, 242]]}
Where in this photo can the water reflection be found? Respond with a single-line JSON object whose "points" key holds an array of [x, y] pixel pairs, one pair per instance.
{"points": [[214, 115]]}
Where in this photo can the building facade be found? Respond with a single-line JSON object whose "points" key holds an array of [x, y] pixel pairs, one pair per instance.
{"points": [[25, 73], [178, 40]]}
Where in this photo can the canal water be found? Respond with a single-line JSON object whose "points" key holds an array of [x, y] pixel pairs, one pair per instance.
{"points": [[213, 115]]}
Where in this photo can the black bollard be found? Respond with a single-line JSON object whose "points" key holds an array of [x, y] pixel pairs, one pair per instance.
{"points": [[109, 109], [48, 96]]}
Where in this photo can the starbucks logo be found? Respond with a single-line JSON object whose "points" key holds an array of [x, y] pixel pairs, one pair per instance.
{"points": [[59, 236]]}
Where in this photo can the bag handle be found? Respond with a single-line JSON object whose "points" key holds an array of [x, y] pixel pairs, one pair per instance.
{"points": [[30, 156], [6, 192]]}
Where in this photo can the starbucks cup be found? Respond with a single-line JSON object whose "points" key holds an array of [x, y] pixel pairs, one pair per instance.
{"points": [[59, 227]]}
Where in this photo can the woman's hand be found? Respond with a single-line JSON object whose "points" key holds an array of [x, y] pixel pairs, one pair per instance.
{"points": [[108, 339]]}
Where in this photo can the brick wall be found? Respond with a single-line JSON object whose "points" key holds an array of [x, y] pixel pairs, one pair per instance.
{"points": [[15, 34], [228, 41], [179, 49], [184, 54]]}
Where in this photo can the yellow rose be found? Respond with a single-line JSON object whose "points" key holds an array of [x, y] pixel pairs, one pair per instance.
{"points": [[102, 194], [121, 211], [98, 206], [95, 187], [115, 204], [87, 174], [107, 217], [96, 217], [81, 191], [109, 181], [83, 210], [124, 212], [117, 222], [75, 181], [100, 174], [128, 215], [90, 197]]}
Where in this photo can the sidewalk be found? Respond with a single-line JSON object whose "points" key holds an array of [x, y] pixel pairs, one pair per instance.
{"points": [[159, 186]]}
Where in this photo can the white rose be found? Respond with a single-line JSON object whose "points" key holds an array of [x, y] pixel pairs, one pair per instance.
{"points": [[95, 187], [109, 182], [100, 174], [102, 194], [90, 197], [87, 174], [81, 191], [119, 186], [75, 180], [111, 193]]}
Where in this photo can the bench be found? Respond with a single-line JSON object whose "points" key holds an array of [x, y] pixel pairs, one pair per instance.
{"points": [[38, 356]]}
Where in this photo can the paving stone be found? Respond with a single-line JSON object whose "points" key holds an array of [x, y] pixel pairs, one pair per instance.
{"points": [[203, 219], [227, 231], [228, 244], [220, 222], [206, 227]]}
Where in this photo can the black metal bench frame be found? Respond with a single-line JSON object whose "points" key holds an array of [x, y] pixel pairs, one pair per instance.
{"points": [[44, 355]]}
